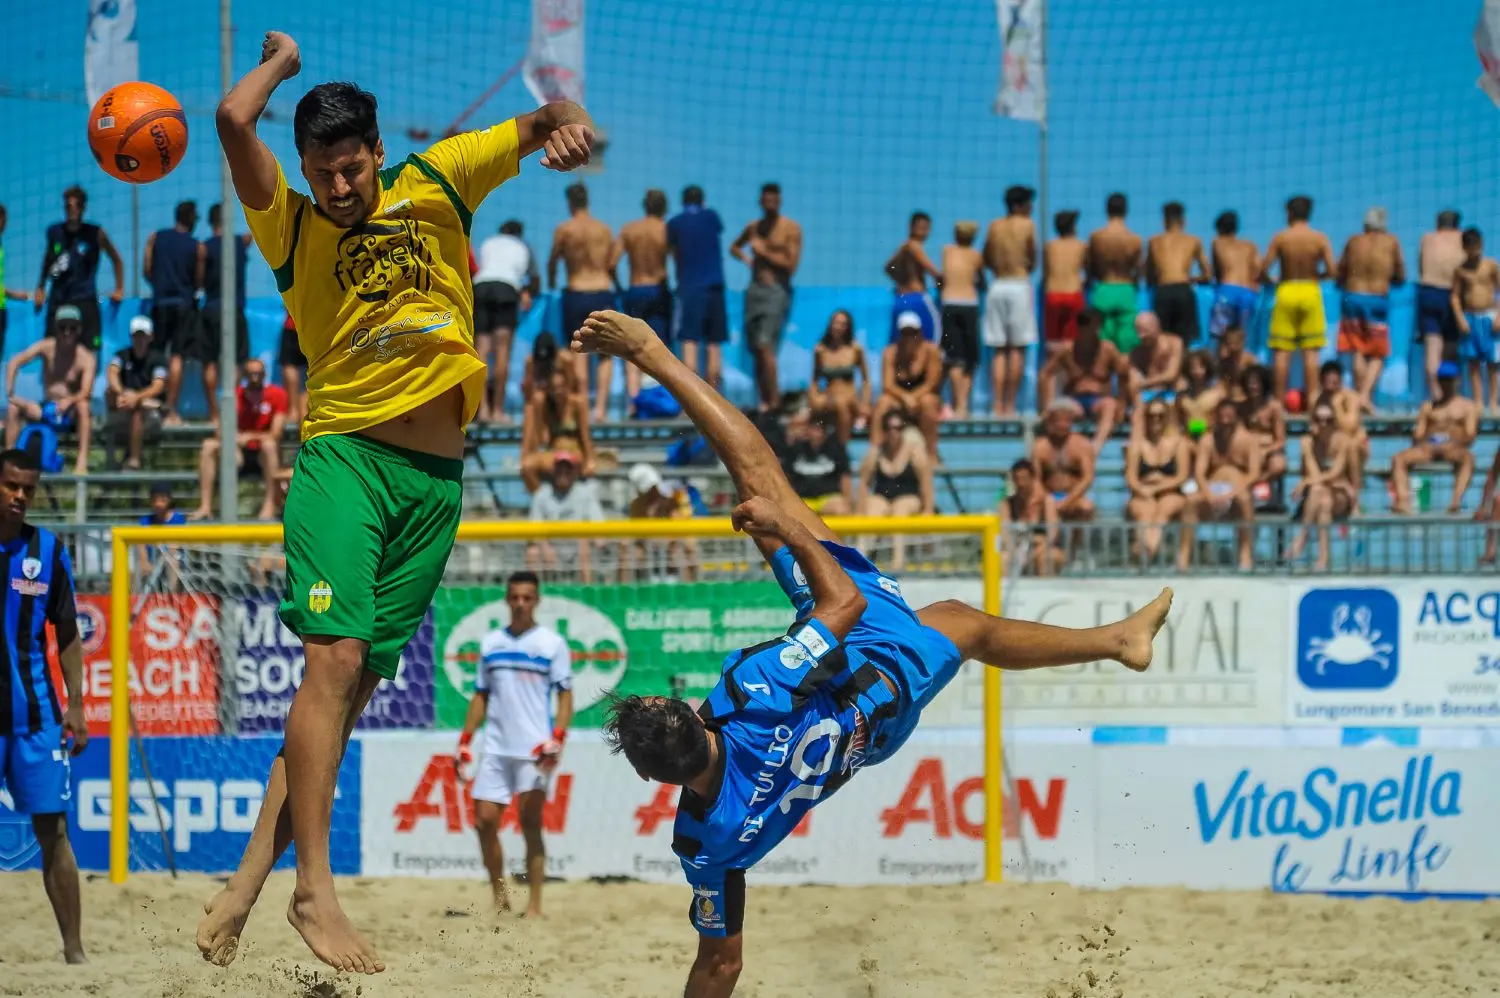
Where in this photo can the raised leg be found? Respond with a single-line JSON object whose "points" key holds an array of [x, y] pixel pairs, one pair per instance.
{"points": [[1023, 644]]}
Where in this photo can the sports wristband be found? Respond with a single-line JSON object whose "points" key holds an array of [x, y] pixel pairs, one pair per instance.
{"points": [[559, 735], [464, 739]]}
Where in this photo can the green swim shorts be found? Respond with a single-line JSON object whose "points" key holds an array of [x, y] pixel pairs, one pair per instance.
{"points": [[1117, 303], [369, 528]]}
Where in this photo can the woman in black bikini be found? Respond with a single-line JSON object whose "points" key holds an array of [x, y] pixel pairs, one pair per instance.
{"points": [[1158, 461], [1262, 414], [895, 479], [911, 373], [836, 359], [1327, 489], [556, 419]]}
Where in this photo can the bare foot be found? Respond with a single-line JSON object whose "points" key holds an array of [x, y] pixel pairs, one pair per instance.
{"points": [[326, 930], [615, 334], [1137, 631], [1400, 509], [223, 921], [532, 913], [201, 514], [74, 955], [171, 419]]}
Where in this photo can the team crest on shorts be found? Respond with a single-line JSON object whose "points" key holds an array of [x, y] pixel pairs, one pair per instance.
{"points": [[320, 597]]}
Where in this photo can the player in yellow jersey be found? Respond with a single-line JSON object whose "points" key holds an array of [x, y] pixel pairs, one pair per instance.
{"points": [[373, 268]]}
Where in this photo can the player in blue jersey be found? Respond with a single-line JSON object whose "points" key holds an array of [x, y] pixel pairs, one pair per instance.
{"points": [[793, 718], [35, 732]]}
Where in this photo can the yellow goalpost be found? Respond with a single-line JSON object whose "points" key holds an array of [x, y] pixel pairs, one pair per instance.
{"points": [[124, 539]]}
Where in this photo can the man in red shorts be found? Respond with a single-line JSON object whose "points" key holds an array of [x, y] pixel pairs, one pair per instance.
{"points": [[1062, 282], [261, 420]]}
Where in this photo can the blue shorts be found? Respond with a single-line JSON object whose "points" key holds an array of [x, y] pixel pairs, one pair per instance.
{"points": [[653, 303], [577, 306], [1434, 311], [920, 660], [1479, 344], [700, 316], [1233, 306], [921, 303], [35, 769]]}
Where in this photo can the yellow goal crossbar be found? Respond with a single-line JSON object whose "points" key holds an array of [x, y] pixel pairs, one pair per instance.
{"points": [[122, 538]]}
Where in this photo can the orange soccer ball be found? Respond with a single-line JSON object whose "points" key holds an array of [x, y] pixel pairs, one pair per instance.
{"points": [[137, 132]]}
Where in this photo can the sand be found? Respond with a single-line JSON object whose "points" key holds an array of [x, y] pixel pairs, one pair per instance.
{"points": [[622, 940]]}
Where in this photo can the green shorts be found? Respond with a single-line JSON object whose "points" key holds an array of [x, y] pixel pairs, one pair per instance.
{"points": [[1117, 304], [369, 528]]}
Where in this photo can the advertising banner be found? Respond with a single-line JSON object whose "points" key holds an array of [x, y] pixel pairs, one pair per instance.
{"points": [[1416, 653], [633, 639], [174, 663], [918, 818], [269, 663], [1219, 659], [1338, 820]]}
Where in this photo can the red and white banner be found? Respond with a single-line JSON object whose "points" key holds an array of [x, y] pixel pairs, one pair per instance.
{"points": [[553, 69], [1023, 87], [918, 818], [174, 664]]}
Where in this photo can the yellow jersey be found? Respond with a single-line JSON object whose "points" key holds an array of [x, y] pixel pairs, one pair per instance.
{"points": [[385, 310]]}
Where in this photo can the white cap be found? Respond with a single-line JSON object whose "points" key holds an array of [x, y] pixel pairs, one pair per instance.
{"points": [[908, 320], [643, 478], [142, 324]]}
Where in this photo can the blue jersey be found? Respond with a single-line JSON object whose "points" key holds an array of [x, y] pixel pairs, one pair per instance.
{"points": [[71, 261], [38, 590], [785, 713], [694, 238]]}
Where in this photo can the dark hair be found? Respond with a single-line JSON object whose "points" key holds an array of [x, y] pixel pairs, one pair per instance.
{"points": [[215, 215], [523, 578], [661, 737], [1331, 367], [692, 194], [1173, 211], [543, 356], [78, 192], [1233, 327], [1066, 222], [21, 460], [578, 196], [1018, 196], [1472, 237], [332, 112], [1299, 208], [161, 489], [186, 213], [1234, 406], [895, 414], [1209, 361], [656, 202], [919, 216], [1258, 374], [826, 341], [1115, 205], [825, 420], [1087, 344], [1447, 219], [512, 227], [1023, 464], [770, 188], [1228, 223]]}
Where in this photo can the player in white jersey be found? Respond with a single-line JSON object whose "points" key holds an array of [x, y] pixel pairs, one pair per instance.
{"points": [[519, 668]]}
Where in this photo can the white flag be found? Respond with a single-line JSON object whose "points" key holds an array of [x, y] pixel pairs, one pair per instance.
{"points": [[554, 62], [110, 53], [1023, 89], [1487, 45]]}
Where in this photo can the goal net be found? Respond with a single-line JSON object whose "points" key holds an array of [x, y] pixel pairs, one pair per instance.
{"points": [[647, 606]]}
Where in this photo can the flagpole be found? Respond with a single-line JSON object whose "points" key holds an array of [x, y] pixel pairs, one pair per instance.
{"points": [[1041, 146], [229, 307]]}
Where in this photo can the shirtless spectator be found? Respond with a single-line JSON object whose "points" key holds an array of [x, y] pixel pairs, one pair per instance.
{"points": [[68, 369], [1475, 283], [1062, 282], [1158, 461], [1236, 277], [1029, 523], [1009, 306], [909, 267], [1065, 462], [1170, 258], [963, 276], [1370, 265], [1444, 434], [1489, 512], [1155, 363], [1232, 359], [1438, 256], [837, 358], [1088, 369], [1264, 417], [582, 243], [1199, 393], [1326, 493], [912, 372], [1114, 268], [1227, 462], [643, 243], [775, 243], [1347, 413], [1298, 322]]}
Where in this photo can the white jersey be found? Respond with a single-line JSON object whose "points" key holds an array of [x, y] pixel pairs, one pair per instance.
{"points": [[505, 259], [520, 673]]}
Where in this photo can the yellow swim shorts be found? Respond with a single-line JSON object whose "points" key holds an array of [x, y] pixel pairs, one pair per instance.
{"points": [[1297, 319]]}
